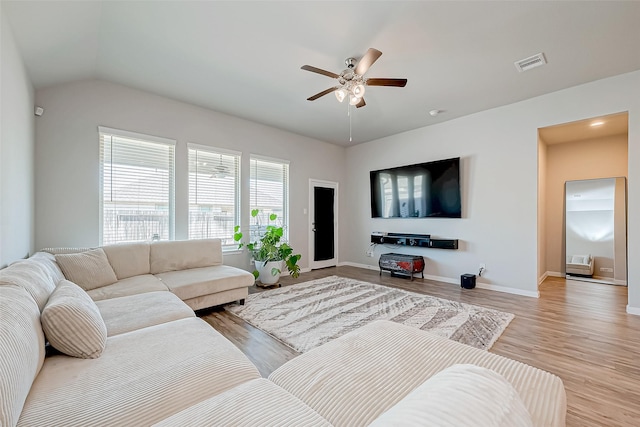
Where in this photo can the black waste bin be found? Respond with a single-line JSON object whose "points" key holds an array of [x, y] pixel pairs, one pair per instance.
{"points": [[468, 281]]}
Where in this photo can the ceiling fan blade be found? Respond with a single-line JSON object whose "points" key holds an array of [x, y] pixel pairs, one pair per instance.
{"points": [[319, 71], [323, 93], [361, 103], [367, 60], [387, 82]]}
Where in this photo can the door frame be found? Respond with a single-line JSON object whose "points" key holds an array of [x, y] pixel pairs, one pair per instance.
{"points": [[334, 261]]}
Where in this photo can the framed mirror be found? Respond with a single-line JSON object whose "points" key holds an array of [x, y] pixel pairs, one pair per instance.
{"points": [[596, 230]]}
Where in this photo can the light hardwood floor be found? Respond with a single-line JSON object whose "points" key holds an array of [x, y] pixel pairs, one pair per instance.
{"points": [[579, 331]]}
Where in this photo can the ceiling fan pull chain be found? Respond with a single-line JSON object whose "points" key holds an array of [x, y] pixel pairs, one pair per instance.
{"points": [[349, 114]]}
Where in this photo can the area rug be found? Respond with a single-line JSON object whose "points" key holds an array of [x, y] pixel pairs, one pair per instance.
{"points": [[308, 314]]}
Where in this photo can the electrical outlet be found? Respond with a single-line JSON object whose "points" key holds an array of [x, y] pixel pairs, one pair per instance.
{"points": [[606, 269]]}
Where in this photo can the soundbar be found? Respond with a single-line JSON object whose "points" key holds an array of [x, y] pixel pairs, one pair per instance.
{"points": [[418, 240]]}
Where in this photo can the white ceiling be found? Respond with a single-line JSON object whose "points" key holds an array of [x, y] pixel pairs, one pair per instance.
{"points": [[243, 58]]}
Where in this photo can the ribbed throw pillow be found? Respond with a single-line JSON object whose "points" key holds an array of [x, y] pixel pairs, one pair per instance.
{"points": [[72, 322], [462, 395], [89, 269]]}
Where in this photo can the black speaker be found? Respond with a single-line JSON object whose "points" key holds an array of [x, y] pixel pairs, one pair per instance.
{"points": [[468, 281], [444, 243]]}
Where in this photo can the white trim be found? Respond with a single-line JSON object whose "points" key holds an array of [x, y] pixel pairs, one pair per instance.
{"points": [[508, 290], [555, 274], [135, 135], [633, 310], [543, 278], [212, 149], [443, 279], [355, 264], [269, 159], [619, 282]]}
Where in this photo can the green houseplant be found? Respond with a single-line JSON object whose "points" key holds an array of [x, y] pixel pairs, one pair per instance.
{"points": [[270, 254]]}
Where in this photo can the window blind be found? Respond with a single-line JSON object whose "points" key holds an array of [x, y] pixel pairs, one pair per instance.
{"points": [[269, 190], [137, 187], [214, 177]]}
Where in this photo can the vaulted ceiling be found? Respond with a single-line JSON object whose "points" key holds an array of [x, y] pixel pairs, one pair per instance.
{"points": [[243, 58]]}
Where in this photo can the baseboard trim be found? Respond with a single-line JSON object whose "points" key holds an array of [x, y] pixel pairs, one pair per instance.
{"points": [[543, 277], [633, 310], [456, 281], [355, 264], [620, 282], [554, 274], [508, 290]]}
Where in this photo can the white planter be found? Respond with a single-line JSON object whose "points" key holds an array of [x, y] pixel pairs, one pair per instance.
{"points": [[266, 276]]}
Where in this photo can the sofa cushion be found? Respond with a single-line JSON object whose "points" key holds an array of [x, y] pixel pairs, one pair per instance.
{"points": [[462, 395], [21, 350], [255, 403], [142, 377], [129, 286], [194, 282], [34, 275], [89, 270], [184, 254], [337, 379], [72, 322], [128, 259], [133, 312]]}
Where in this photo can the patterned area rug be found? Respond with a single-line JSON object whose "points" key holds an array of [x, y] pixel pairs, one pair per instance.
{"points": [[308, 314]]}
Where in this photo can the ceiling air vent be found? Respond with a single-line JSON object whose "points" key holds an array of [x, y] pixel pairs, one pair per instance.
{"points": [[534, 61]]}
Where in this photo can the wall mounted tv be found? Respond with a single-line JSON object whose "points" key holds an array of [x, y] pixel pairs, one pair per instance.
{"points": [[424, 190]]}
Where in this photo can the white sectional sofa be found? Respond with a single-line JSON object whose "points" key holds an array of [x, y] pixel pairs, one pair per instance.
{"points": [[143, 358], [191, 269]]}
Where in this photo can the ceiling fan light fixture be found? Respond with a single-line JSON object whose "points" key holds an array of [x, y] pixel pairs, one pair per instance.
{"points": [[354, 100], [358, 90], [341, 94]]}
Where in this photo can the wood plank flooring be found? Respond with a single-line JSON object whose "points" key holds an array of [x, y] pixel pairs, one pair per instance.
{"points": [[576, 330]]}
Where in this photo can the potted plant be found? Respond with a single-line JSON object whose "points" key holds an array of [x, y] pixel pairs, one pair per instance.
{"points": [[270, 254]]}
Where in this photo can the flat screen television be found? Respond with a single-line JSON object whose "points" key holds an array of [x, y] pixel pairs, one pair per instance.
{"points": [[424, 190]]}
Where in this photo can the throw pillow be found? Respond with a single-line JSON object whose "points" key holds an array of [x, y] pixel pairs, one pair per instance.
{"points": [[89, 269], [72, 322], [462, 395]]}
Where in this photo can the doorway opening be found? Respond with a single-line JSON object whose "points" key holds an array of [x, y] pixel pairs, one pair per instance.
{"points": [[572, 231], [323, 224]]}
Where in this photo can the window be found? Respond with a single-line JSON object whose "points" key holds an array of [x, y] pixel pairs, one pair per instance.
{"points": [[214, 177], [137, 187], [269, 190]]}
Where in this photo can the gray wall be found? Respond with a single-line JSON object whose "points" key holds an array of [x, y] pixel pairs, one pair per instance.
{"points": [[16, 153], [67, 165], [499, 150]]}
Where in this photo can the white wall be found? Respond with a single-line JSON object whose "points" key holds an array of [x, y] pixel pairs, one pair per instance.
{"points": [[16, 152], [499, 150], [67, 157]]}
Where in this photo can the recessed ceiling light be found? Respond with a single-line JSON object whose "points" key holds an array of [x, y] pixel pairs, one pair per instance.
{"points": [[596, 124]]}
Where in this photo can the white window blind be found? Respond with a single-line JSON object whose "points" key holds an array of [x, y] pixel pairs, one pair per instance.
{"points": [[214, 194], [137, 187], [269, 190]]}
